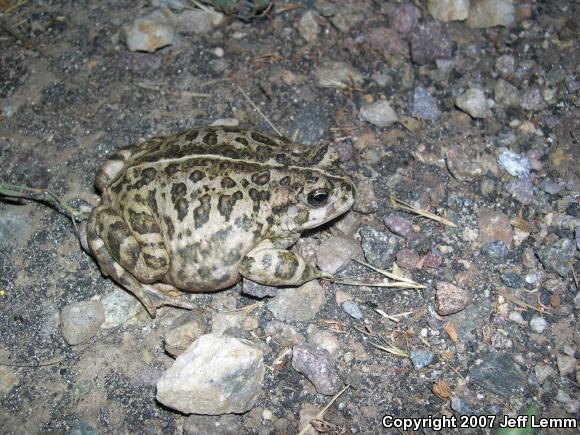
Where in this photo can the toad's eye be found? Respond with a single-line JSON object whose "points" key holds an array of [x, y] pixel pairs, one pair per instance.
{"points": [[318, 197]]}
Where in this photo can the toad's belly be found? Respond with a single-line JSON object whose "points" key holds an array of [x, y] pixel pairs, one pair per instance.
{"points": [[202, 266]]}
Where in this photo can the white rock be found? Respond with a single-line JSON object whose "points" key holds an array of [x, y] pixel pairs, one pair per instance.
{"points": [[198, 21], [474, 103], [516, 165], [449, 10], [150, 32], [490, 13], [538, 324], [379, 113], [215, 375], [308, 26]]}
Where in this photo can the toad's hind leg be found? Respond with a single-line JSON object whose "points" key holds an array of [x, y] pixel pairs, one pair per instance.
{"points": [[118, 251]]}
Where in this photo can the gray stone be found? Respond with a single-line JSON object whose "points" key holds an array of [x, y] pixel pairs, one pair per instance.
{"points": [[215, 375], [315, 363], [308, 26], [430, 42], [474, 103], [198, 21], [80, 321], [543, 372], [538, 324], [299, 304], [257, 290], [351, 308], [424, 106], [499, 374], [379, 248], [150, 32], [335, 253], [522, 190], [185, 330], [421, 358], [120, 306], [222, 321], [532, 99], [505, 65], [558, 257], [379, 113], [506, 94], [566, 364], [285, 335], [323, 339], [495, 251], [512, 280]]}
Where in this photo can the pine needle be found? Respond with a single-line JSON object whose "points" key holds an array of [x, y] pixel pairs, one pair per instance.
{"points": [[397, 203]]}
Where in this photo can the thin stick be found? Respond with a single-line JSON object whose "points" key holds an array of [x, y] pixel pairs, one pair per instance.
{"points": [[41, 195], [259, 111], [320, 415], [405, 206]]}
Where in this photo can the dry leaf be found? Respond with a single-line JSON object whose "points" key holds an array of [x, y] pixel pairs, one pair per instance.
{"points": [[451, 331], [441, 389]]}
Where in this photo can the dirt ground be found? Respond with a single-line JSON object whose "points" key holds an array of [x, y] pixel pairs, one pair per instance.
{"points": [[71, 92]]}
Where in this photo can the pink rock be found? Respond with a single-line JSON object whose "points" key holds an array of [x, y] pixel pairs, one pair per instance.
{"points": [[432, 261], [398, 225], [342, 297], [450, 299], [405, 19], [407, 258]]}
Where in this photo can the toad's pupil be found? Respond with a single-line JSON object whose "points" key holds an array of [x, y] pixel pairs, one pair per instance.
{"points": [[317, 198]]}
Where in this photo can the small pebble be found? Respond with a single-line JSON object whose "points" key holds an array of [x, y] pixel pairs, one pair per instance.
{"points": [[522, 190], [150, 32], [80, 321], [515, 164], [424, 106], [398, 225], [430, 42], [512, 280], [538, 324], [379, 113], [315, 363], [421, 358], [566, 364], [496, 251], [543, 372], [474, 103], [450, 299], [352, 309]]}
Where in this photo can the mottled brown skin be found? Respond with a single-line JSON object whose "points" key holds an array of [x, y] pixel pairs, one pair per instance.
{"points": [[198, 210]]}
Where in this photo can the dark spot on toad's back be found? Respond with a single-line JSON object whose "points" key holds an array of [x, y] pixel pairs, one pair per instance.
{"points": [[196, 176], [228, 183], [210, 138], [259, 137], [147, 176], [170, 227], [261, 178], [142, 223], [242, 140]]}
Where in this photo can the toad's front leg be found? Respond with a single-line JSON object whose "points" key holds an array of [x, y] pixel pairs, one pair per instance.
{"points": [[269, 265]]}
